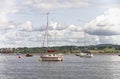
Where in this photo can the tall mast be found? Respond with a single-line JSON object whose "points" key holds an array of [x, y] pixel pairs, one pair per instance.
{"points": [[46, 31], [84, 38]]}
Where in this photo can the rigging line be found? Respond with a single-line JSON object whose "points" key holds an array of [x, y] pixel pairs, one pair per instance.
{"points": [[47, 30], [45, 35], [85, 38]]}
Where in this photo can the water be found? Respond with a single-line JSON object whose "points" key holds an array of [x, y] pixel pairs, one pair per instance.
{"points": [[73, 67]]}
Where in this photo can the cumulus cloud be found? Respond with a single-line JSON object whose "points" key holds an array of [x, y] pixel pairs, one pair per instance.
{"points": [[8, 6], [27, 33], [70, 35], [107, 39], [3, 17], [4, 22], [27, 26], [75, 28], [67, 35], [106, 24]]}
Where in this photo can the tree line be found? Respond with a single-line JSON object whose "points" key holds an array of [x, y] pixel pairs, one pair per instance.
{"points": [[105, 48]]}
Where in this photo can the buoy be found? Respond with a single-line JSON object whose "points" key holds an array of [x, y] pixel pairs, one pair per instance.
{"points": [[19, 56]]}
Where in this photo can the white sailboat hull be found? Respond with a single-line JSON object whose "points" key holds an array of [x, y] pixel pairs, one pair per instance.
{"points": [[87, 55], [51, 57]]}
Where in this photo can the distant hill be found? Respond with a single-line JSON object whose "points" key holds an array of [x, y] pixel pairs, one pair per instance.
{"points": [[99, 45]]}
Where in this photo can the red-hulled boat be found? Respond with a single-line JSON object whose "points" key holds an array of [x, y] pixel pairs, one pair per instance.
{"points": [[29, 55]]}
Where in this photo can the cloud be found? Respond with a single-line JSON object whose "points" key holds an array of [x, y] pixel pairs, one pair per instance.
{"points": [[106, 3], [52, 26], [3, 17], [8, 6], [67, 35], [27, 26], [70, 35], [106, 24], [75, 28], [107, 39], [27, 33], [4, 22], [55, 4]]}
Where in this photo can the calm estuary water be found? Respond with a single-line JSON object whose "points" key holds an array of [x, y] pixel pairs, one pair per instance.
{"points": [[73, 67]]}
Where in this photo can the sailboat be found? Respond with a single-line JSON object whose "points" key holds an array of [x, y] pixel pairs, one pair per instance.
{"points": [[85, 53], [51, 55]]}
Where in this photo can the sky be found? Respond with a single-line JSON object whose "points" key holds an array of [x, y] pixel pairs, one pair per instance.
{"points": [[23, 22]]}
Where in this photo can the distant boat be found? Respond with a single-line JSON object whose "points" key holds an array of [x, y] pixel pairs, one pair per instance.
{"points": [[85, 53], [51, 56], [18, 53], [29, 55], [77, 54]]}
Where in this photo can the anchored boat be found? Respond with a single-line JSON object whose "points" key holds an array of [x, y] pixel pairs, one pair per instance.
{"points": [[51, 54], [85, 53], [29, 55]]}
